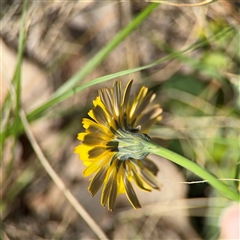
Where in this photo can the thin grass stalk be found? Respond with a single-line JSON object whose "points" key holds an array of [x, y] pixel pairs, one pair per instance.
{"points": [[58, 181], [17, 86]]}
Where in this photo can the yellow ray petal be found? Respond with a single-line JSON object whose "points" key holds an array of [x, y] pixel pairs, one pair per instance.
{"points": [[94, 167]]}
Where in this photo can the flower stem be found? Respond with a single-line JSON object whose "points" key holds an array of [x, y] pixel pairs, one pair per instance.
{"points": [[193, 167]]}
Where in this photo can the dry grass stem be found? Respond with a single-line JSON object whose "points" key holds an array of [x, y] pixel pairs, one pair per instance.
{"points": [[182, 4], [58, 181]]}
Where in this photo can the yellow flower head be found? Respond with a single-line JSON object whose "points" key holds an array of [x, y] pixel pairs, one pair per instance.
{"points": [[112, 145]]}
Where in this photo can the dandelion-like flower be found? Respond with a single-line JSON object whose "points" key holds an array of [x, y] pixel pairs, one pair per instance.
{"points": [[112, 146]]}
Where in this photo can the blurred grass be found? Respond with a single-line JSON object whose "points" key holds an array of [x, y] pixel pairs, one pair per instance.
{"points": [[15, 98], [201, 119]]}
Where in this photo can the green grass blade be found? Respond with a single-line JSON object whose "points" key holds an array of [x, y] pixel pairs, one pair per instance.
{"points": [[38, 112], [174, 55], [17, 76], [98, 58], [16, 81]]}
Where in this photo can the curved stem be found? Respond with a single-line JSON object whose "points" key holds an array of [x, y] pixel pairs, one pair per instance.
{"points": [[193, 167], [58, 181]]}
